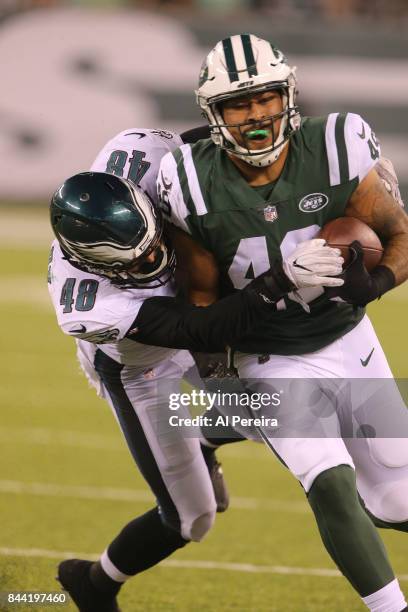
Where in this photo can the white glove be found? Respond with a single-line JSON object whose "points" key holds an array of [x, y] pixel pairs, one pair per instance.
{"points": [[314, 264]]}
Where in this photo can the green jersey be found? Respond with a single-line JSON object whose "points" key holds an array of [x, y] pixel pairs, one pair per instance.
{"points": [[246, 228]]}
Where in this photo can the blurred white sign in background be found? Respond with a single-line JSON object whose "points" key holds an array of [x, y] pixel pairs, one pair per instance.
{"points": [[73, 77]]}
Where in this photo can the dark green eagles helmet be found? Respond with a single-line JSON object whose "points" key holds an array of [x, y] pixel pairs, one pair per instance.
{"points": [[106, 225]]}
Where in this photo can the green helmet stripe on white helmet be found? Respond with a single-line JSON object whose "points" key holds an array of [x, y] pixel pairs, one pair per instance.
{"points": [[249, 55], [245, 64], [239, 57], [230, 60]]}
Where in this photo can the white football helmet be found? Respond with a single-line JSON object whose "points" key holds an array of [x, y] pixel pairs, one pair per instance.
{"points": [[245, 64]]}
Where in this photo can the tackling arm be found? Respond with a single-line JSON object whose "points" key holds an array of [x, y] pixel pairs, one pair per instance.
{"points": [[170, 322]]}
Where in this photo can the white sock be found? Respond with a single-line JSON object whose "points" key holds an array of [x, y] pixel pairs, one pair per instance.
{"points": [[111, 569], [388, 599]]}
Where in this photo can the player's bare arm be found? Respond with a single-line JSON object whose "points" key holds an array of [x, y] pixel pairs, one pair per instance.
{"points": [[197, 271], [372, 204]]}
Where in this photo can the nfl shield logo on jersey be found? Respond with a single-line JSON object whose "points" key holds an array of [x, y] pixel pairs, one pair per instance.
{"points": [[270, 213]]}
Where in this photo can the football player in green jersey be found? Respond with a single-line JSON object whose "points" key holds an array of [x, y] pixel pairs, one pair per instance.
{"points": [[260, 188]]}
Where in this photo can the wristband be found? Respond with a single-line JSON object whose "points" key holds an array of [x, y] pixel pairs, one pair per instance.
{"points": [[273, 284], [384, 279]]}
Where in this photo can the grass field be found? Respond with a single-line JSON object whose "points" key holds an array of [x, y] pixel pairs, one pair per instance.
{"points": [[68, 484]]}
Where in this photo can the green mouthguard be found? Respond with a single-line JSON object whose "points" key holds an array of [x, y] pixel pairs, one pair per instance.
{"points": [[257, 134]]}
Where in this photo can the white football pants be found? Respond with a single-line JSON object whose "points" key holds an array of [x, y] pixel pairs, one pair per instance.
{"points": [[336, 437], [171, 463]]}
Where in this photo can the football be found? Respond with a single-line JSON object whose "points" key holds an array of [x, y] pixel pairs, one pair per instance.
{"points": [[343, 231]]}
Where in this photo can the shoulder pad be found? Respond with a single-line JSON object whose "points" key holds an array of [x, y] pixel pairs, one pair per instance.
{"points": [[352, 148]]}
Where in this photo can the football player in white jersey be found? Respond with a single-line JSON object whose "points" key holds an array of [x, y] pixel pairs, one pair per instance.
{"points": [[266, 180], [111, 283]]}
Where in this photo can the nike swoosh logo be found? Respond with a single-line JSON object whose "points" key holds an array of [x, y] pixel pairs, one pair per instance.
{"points": [[167, 186], [81, 330], [362, 135], [140, 134], [364, 362]]}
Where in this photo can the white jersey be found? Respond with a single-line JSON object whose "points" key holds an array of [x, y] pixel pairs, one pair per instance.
{"points": [[90, 308], [135, 154]]}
